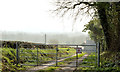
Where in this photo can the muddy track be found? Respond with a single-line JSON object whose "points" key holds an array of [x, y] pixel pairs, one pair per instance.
{"points": [[47, 65], [72, 69], [66, 69]]}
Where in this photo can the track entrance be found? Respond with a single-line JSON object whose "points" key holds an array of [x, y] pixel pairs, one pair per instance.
{"points": [[62, 55]]}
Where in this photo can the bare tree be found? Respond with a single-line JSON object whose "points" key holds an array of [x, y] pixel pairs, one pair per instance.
{"points": [[74, 8]]}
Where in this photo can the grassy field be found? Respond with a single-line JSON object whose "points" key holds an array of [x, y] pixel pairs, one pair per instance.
{"points": [[29, 56], [44, 55], [105, 65]]}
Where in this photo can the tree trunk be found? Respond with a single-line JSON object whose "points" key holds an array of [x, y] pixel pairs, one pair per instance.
{"points": [[112, 39], [118, 24]]}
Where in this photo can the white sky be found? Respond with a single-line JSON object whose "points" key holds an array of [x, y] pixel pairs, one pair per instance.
{"points": [[33, 16]]}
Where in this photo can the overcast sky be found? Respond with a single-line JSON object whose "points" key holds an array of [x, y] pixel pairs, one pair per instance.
{"points": [[34, 16]]}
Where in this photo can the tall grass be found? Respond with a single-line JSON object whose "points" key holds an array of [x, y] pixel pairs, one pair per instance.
{"points": [[29, 56], [105, 65], [9, 60]]}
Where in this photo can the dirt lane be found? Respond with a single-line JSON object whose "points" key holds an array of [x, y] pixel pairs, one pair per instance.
{"points": [[47, 65], [69, 69]]}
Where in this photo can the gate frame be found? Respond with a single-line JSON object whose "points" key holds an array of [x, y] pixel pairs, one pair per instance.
{"points": [[56, 45]]}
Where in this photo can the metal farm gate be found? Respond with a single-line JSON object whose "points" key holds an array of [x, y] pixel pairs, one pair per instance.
{"points": [[56, 55]]}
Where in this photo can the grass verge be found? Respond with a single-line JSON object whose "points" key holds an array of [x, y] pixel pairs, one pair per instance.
{"points": [[70, 59], [106, 64], [49, 69]]}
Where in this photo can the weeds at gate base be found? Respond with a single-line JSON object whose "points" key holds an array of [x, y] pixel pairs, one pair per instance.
{"points": [[9, 58], [49, 69], [89, 61], [103, 63], [71, 59]]}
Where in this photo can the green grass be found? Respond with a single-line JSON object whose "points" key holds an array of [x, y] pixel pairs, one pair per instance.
{"points": [[90, 60], [9, 57], [44, 57], [105, 64], [49, 69], [111, 62], [9, 60], [52, 69], [66, 52], [70, 59], [74, 57]]}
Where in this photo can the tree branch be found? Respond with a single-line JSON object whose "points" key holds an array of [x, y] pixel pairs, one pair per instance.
{"points": [[86, 3]]}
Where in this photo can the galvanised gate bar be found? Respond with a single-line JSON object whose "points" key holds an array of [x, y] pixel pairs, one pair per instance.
{"points": [[54, 54]]}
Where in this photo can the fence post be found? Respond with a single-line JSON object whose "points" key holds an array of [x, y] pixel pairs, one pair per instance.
{"points": [[76, 57], [37, 56], [56, 55], [96, 47], [17, 56], [98, 54]]}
